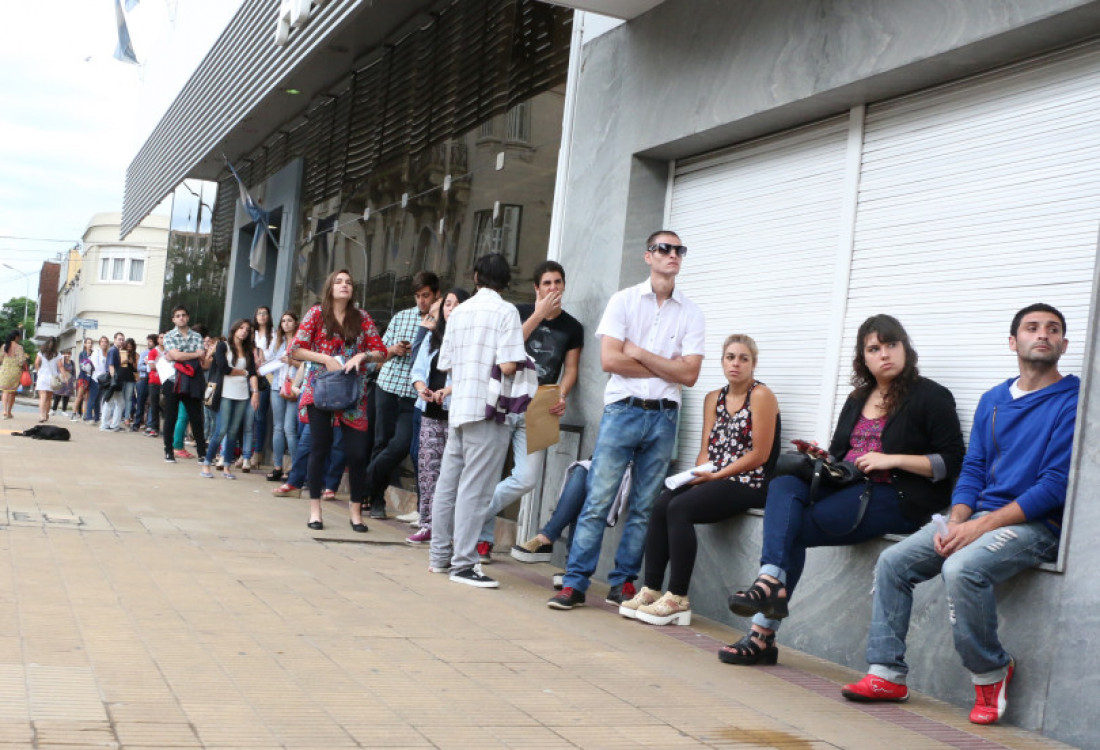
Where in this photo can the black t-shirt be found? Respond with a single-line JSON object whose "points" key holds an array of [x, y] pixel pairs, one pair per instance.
{"points": [[549, 343]]}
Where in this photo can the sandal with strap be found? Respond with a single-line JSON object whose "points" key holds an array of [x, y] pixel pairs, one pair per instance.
{"points": [[749, 650], [763, 597]]}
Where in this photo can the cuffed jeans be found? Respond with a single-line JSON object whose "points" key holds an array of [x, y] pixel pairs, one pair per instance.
{"points": [[472, 462], [526, 472], [627, 433], [969, 576], [792, 525], [230, 414]]}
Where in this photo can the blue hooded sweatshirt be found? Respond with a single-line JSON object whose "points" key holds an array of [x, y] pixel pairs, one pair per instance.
{"points": [[1020, 450]]}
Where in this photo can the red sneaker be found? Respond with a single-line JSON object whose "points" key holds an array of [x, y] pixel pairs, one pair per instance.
{"points": [[991, 701], [872, 688], [485, 552], [184, 453]]}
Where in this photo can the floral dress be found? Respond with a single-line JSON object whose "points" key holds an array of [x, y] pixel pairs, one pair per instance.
{"points": [[313, 336], [11, 368]]}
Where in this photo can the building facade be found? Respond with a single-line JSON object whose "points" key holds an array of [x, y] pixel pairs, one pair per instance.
{"points": [[827, 161], [116, 283]]}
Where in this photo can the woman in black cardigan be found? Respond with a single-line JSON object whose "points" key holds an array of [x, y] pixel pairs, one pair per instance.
{"points": [[902, 432]]}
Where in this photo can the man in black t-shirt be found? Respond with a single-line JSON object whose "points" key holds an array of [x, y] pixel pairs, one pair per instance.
{"points": [[553, 338]]}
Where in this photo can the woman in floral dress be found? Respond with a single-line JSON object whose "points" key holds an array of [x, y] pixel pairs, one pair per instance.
{"points": [[337, 335]]}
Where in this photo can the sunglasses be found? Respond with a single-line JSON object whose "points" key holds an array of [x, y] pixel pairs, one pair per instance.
{"points": [[663, 248]]}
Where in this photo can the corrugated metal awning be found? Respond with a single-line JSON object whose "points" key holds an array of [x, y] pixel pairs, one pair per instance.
{"points": [[238, 97]]}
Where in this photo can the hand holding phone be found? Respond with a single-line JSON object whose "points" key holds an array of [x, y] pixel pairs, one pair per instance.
{"points": [[811, 448]]}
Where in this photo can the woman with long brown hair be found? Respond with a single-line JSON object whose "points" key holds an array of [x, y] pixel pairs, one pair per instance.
{"points": [[901, 432], [284, 403], [45, 364], [336, 335], [235, 387]]}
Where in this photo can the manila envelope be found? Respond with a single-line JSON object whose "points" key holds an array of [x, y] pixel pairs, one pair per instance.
{"points": [[542, 426]]}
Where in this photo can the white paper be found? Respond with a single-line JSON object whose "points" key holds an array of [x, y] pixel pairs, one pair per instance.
{"points": [[269, 367], [679, 480], [166, 369]]}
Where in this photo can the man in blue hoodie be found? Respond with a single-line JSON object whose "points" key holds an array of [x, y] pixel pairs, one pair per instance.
{"points": [[1006, 516]]}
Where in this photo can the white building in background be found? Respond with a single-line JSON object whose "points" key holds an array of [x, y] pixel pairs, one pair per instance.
{"points": [[116, 283]]}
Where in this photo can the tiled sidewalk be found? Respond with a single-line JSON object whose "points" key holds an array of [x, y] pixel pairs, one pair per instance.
{"points": [[144, 607]]}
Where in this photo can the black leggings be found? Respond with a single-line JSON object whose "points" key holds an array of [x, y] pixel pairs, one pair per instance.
{"points": [[63, 400], [671, 538], [356, 447]]}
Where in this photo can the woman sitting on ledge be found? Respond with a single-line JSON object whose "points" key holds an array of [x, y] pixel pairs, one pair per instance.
{"points": [[902, 432], [741, 440]]}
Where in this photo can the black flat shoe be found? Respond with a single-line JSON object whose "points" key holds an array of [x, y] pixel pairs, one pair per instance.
{"points": [[360, 528], [315, 525]]}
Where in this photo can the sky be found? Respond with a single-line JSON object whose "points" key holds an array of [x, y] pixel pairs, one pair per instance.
{"points": [[72, 117]]}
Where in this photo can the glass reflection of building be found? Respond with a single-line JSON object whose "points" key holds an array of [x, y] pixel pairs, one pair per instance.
{"points": [[440, 210]]}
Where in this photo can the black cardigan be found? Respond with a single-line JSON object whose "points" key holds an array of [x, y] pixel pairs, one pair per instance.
{"points": [[221, 367], [925, 422]]}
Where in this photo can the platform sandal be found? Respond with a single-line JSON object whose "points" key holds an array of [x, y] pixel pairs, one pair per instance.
{"points": [[763, 597], [748, 650]]}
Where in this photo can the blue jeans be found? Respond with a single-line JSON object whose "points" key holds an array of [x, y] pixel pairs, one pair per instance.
{"points": [[526, 473], [91, 403], [259, 423], [570, 502], [246, 438], [139, 402], [230, 414], [969, 576], [627, 433], [299, 467], [128, 399], [284, 432], [792, 525]]}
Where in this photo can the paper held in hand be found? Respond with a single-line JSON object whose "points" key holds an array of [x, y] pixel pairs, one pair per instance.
{"points": [[679, 480], [165, 368], [543, 428]]}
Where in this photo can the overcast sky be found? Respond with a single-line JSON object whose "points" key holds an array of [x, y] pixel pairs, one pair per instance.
{"points": [[72, 117]]}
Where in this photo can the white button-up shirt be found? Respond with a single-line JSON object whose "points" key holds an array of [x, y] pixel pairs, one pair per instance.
{"points": [[674, 329], [483, 331]]}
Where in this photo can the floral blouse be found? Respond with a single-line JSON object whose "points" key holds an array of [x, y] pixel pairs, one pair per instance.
{"points": [[313, 336], [731, 438]]}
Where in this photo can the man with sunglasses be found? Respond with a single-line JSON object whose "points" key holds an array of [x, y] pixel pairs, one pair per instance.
{"points": [[652, 342]]}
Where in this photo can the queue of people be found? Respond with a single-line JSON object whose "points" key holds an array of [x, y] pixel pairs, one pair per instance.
{"points": [[449, 383]]}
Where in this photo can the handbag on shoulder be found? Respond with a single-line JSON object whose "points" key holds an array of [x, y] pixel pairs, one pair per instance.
{"points": [[335, 390]]}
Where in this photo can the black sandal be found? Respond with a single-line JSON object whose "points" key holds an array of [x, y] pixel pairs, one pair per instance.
{"points": [[276, 475], [763, 597], [749, 651]]}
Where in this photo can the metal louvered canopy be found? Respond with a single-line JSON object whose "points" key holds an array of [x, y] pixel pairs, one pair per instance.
{"points": [[237, 98]]}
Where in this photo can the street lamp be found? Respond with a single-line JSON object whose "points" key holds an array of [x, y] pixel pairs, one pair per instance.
{"points": [[27, 296]]}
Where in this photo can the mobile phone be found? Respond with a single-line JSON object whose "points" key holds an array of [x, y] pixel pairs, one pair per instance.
{"points": [[814, 450]]}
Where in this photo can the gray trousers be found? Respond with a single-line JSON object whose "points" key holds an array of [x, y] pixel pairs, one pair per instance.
{"points": [[471, 468]]}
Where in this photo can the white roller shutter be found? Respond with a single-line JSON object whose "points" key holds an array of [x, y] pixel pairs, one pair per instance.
{"points": [[976, 199], [762, 223]]}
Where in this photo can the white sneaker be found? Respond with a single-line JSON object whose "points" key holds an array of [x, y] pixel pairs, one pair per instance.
{"points": [[413, 517], [52, 413]]}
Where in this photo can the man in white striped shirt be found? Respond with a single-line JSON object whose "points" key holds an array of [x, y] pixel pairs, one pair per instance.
{"points": [[482, 332]]}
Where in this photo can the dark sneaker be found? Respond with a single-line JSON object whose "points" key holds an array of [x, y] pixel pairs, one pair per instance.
{"points": [[621, 592], [169, 457], [567, 599], [485, 552], [991, 701], [532, 551], [378, 510], [872, 688], [474, 577]]}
